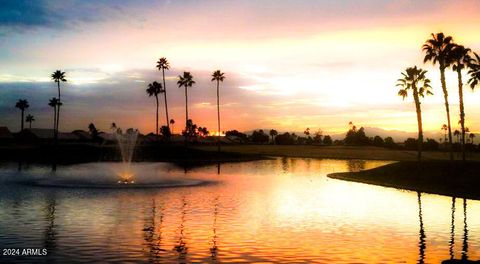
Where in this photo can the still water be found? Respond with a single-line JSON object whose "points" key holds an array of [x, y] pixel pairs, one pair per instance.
{"points": [[282, 210]]}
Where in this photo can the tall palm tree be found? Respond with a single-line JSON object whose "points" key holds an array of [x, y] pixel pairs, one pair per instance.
{"points": [[22, 104], [460, 59], [437, 50], [58, 76], [218, 76], [54, 103], [172, 123], [30, 119], [414, 79], [186, 81], [162, 65], [154, 89]]}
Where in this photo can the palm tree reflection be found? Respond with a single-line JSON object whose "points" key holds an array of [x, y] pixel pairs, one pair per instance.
{"points": [[465, 232], [152, 239], [421, 244], [452, 231], [181, 247], [50, 234], [214, 248]]}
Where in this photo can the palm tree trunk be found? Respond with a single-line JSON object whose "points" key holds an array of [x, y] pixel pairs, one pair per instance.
{"points": [[419, 120], [462, 110], [186, 107], [156, 127], [165, 97], [218, 114], [30, 126], [447, 107], [21, 126], [55, 122], [58, 113]]}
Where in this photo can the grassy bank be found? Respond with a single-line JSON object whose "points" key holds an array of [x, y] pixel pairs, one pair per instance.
{"points": [[80, 153], [437, 177], [335, 152]]}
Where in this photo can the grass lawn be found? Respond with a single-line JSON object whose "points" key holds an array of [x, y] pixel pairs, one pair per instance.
{"points": [[336, 152]]}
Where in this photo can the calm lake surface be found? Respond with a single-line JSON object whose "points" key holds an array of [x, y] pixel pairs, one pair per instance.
{"points": [[282, 210]]}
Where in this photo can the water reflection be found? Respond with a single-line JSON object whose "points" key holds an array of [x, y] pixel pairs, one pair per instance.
{"points": [[181, 246], [50, 232], [214, 248], [465, 232], [257, 213], [452, 231], [421, 234]]}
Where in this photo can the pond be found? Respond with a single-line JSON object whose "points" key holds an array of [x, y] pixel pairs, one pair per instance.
{"points": [[281, 210]]}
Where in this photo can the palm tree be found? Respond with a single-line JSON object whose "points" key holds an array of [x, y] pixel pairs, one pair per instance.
{"points": [[445, 129], [172, 123], [273, 133], [186, 81], [457, 134], [437, 50], [460, 59], [154, 89], [471, 136], [474, 71], [218, 76], [22, 104], [54, 103], [30, 119], [162, 65], [58, 76], [414, 79]]}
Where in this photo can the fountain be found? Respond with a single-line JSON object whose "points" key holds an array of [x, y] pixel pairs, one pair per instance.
{"points": [[126, 143]]}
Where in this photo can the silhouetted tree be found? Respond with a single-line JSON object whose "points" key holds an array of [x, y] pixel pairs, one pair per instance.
{"points": [[22, 104], [186, 81], [165, 131], [437, 50], [378, 141], [30, 119], [172, 123], [54, 103], [471, 136], [93, 130], [460, 59], [154, 89], [430, 144], [203, 131], [285, 139], [317, 136], [190, 130], [356, 136], [327, 140], [445, 130], [273, 133], [162, 65], [218, 76], [259, 137], [414, 79], [389, 143], [474, 71], [234, 133], [58, 76]]}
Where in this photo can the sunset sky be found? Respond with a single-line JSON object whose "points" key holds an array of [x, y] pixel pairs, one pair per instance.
{"points": [[288, 64]]}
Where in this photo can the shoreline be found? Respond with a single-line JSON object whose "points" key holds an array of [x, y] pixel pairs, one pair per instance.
{"points": [[454, 179]]}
